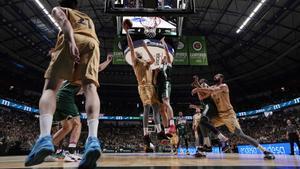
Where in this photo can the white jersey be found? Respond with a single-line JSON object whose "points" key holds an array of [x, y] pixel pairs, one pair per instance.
{"points": [[181, 120]]}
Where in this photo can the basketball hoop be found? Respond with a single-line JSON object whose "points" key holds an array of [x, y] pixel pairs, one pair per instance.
{"points": [[150, 24]]}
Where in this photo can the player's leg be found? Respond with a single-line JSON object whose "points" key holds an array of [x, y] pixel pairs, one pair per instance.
{"points": [[70, 155], [292, 142], [204, 123], [92, 107], [47, 106], [75, 135], [166, 93], [233, 126], [61, 133], [186, 143], [298, 144], [164, 116]]}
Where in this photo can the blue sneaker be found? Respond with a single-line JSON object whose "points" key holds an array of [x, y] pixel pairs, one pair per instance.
{"points": [[42, 148], [91, 154]]}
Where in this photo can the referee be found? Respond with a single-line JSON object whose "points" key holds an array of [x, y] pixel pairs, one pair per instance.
{"points": [[292, 135]]}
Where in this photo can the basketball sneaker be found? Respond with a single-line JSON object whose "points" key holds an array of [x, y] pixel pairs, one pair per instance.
{"points": [[42, 148], [199, 154], [205, 148], [269, 155], [147, 142], [91, 155], [226, 147]]}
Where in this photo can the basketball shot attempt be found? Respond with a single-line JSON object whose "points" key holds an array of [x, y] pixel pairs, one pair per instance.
{"points": [[146, 90]]}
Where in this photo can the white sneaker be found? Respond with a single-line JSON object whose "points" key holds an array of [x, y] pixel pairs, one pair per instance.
{"points": [[68, 157], [50, 158], [75, 156]]}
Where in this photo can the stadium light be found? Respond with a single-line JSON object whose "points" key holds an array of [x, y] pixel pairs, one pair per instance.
{"points": [[47, 13], [259, 5]]}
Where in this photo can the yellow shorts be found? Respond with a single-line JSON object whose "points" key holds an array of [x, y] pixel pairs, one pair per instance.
{"points": [[228, 119], [147, 94], [62, 64]]}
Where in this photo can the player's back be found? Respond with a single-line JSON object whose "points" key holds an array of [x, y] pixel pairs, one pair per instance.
{"points": [[143, 73], [82, 25]]}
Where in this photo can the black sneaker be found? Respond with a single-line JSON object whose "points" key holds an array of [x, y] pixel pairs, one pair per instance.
{"points": [[199, 154], [147, 142], [268, 155], [205, 148], [226, 147]]}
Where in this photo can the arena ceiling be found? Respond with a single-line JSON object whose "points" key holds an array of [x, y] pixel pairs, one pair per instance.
{"points": [[265, 53]]}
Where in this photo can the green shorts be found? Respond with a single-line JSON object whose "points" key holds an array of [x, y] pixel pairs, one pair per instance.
{"points": [[164, 90], [63, 114]]}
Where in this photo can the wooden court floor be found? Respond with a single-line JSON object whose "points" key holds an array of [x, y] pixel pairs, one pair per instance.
{"points": [[167, 161]]}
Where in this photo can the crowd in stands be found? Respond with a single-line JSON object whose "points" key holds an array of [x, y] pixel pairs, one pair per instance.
{"points": [[18, 131]]}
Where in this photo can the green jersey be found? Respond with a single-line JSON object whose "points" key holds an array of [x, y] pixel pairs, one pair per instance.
{"points": [[181, 126], [65, 101]]}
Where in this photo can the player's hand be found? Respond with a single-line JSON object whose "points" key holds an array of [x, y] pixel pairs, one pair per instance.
{"points": [[74, 51], [109, 57], [194, 91]]}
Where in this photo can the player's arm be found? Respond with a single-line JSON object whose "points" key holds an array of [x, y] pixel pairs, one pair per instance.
{"points": [[131, 46], [192, 106], [152, 60], [202, 90], [203, 96], [103, 65], [166, 50], [62, 20]]}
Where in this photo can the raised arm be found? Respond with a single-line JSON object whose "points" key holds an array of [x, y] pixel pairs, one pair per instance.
{"points": [[152, 60], [103, 65], [130, 45], [166, 50], [193, 106], [62, 20]]}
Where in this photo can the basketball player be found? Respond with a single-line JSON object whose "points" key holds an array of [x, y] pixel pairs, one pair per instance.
{"points": [[144, 76], [68, 115], [181, 126], [220, 95], [196, 127], [163, 82], [209, 112], [76, 59]]}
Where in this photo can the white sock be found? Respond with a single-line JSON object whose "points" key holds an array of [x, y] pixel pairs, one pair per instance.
{"points": [[166, 130], [222, 137], [93, 127], [45, 124], [158, 128], [172, 122], [206, 141], [145, 131], [261, 148], [72, 145]]}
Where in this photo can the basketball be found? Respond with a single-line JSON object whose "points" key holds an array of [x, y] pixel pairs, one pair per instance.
{"points": [[127, 23]]}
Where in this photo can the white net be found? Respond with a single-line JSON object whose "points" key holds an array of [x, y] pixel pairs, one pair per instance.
{"points": [[150, 24]]}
